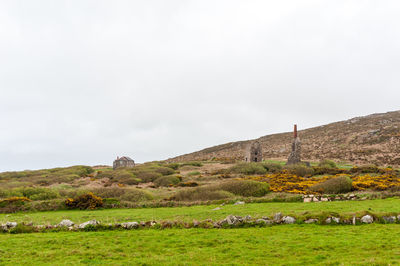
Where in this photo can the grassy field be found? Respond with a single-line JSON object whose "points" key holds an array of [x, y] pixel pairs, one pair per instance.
{"points": [[373, 244], [204, 212]]}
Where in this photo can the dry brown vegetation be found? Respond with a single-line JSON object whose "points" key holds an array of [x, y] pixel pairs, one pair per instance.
{"points": [[373, 139]]}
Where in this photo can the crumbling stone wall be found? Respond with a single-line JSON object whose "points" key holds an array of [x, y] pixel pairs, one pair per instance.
{"points": [[253, 152]]}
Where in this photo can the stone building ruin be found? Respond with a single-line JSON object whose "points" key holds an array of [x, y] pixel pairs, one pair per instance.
{"points": [[253, 152], [295, 155], [123, 162]]}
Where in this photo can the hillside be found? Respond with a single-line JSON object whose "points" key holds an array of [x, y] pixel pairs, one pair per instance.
{"points": [[372, 139]]}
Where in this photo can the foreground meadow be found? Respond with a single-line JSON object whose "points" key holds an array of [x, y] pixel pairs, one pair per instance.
{"points": [[377, 206], [373, 244]]}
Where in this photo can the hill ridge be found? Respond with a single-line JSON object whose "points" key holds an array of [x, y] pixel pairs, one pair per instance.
{"points": [[370, 139]]}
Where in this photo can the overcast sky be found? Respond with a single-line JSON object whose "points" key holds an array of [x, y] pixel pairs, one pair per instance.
{"points": [[84, 81]]}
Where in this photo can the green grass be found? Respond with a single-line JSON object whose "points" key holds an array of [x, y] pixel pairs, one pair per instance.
{"points": [[373, 244], [206, 211]]}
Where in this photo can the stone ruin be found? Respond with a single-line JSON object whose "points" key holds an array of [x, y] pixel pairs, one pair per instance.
{"points": [[123, 162], [294, 157], [253, 152]]}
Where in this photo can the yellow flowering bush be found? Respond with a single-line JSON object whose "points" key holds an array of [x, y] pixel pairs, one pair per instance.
{"points": [[287, 182]]}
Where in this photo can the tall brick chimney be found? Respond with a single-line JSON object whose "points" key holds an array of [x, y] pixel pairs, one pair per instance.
{"points": [[295, 131]]}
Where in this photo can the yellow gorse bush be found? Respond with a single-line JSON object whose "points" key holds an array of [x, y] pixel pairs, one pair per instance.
{"points": [[290, 183]]}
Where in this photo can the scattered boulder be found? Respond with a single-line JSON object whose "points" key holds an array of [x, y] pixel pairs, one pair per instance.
{"points": [[239, 203], [263, 221], [288, 220], [307, 199], [332, 219], [231, 220], [10, 225], [130, 225], [217, 209], [247, 218], [389, 219], [367, 219], [66, 223], [324, 199], [278, 217], [311, 221], [91, 222]]}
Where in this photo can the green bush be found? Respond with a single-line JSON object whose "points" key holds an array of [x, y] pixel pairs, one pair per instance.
{"points": [[194, 173], [300, 170], [136, 195], [166, 181], [248, 169], [197, 164], [174, 166], [201, 194], [365, 169], [35, 193], [272, 167], [245, 188], [164, 170], [340, 184], [85, 201], [13, 201], [145, 176], [327, 164], [109, 192]]}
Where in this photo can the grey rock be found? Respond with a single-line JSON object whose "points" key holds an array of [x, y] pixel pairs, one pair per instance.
{"points": [[263, 221], [288, 220], [91, 222], [130, 225], [66, 223], [332, 219], [239, 203], [278, 217], [231, 220], [367, 219], [247, 218], [311, 221], [307, 199], [217, 209], [389, 219], [10, 225]]}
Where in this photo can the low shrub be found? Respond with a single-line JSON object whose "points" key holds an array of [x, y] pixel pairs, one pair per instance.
{"points": [[248, 169], [166, 181], [366, 169], [198, 164], [13, 201], [109, 192], [328, 170], [194, 173], [300, 170], [272, 167], [327, 164], [201, 194], [85, 201], [188, 184], [164, 170], [136, 195], [174, 166], [245, 188], [145, 176], [340, 184]]}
